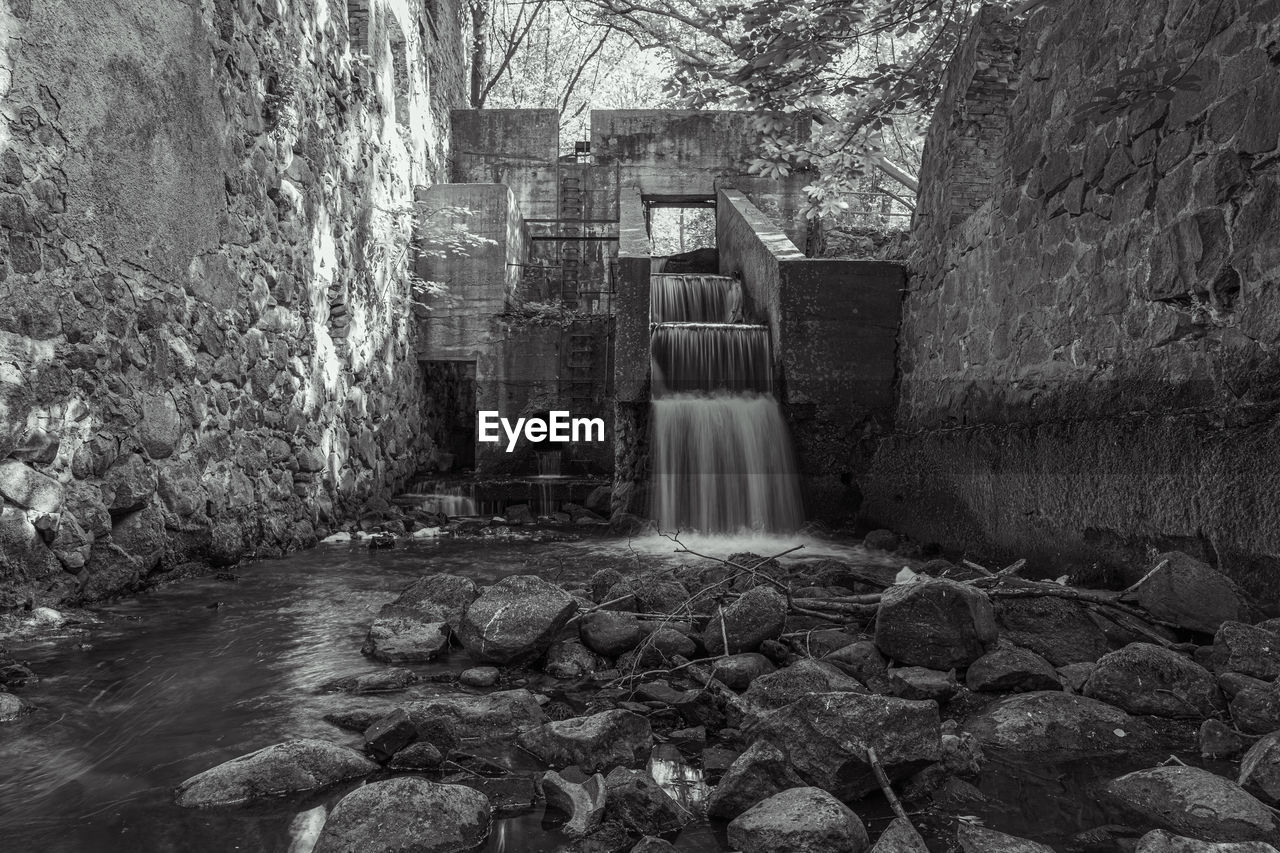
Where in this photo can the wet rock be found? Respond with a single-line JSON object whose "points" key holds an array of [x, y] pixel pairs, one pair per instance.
{"points": [[11, 707], [1218, 740], [918, 682], [899, 837], [825, 737], [389, 734], [1189, 593], [381, 681], [861, 659], [405, 639], [515, 619], [755, 775], [1012, 670], [738, 671], [568, 659], [1260, 769], [934, 623], [1254, 651], [582, 803], [880, 540], [1163, 841], [1143, 678], [273, 771], [1057, 726], [818, 644], [759, 614], [1058, 630], [1194, 802], [637, 802], [28, 488], [479, 676], [519, 514], [357, 720], [701, 708], [610, 634], [776, 689], [597, 742], [611, 837], [408, 813], [601, 582], [417, 756], [439, 598], [495, 715], [1074, 675], [669, 643], [1255, 709], [807, 819], [650, 844], [440, 732], [650, 593], [979, 839]]}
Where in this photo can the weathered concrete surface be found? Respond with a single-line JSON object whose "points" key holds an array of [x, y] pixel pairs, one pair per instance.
{"points": [[1088, 360], [201, 320], [517, 148]]}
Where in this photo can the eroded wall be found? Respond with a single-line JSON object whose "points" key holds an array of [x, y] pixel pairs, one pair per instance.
{"points": [[205, 347], [1088, 357]]}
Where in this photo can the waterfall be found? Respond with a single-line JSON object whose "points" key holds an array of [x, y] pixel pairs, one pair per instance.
{"points": [[720, 452]]}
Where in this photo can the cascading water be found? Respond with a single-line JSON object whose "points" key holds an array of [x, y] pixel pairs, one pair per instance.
{"points": [[721, 454]]}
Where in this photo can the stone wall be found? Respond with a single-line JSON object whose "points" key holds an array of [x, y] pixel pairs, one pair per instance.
{"points": [[205, 350], [1088, 359]]}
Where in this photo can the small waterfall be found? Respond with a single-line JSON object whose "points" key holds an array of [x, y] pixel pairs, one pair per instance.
{"points": [[721, 455], [451, 500], [695, 299]]}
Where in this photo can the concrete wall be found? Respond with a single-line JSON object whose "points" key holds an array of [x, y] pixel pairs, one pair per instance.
{"points": [[518, 148], [631, 305], [1088, 357], [204, 350], [833, 326]]}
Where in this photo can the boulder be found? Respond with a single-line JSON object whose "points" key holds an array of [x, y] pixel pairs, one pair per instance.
{"points": [[650, 844], [405, 639], [638, 803], [669, 643], [30, 489], [1057, 726], [274, 771], [515, 619], [1255, 708], [1260, 769], [918, 682], [610, 634], [1190, 594], [128, 485], [498, 715], [1218, 740], [755, 775], [389, 734], [379, 681], [479, 676], [570, 659], [774, 690], [597, 742], [439, 598], [759, 614], [979, 839], [1012, 670], [799, 819], [1059, 630], [1254, 651], [935, 623], [407, 813], [11, 707], [861, 659], [738, 671], [825, 737], [1194, 802], [1074, 675], [899, 837], [417, 756], [1163, 841], [1143, 678], [582, 803]]}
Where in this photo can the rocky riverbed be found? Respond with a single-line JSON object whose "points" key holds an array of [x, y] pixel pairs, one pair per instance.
{"points": [[756, 703]]}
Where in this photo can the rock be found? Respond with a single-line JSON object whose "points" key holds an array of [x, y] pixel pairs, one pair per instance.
{"points": [[755, 775], [1074, 675], [1057, 629], [439, 598], [860, 659], [979, 839], [479, 676], [773, 690], [1057, 727], [805, 820], [583, 804], [1163, 841], [1143, 678], [519, 514], [1012, 670], [649, 844], [918, 682], [825, 737], [819, 644], [405, 639], [669, 643], [880, 540], [1190, 594], [30, 489], [637, 802], [273, 771], [597, 742], [440, 732], [407, 813], [738, 671], [1260, 769], [493, 716], [601, 582], [1254, 651], [11, 707], [569, 659], [759, 614], [1194, 802], [899, 837], [417, 756], [610, 634], [128, 485], [1255, 709], [389, 734], [1218, 740], [515, 619], [356, 720], [934, 623], [381, 681]]}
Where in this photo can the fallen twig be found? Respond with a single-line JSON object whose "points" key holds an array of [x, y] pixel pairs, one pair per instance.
{"points": [[883, 779], [1132, 587], [982, 570], [1013, 568]]}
